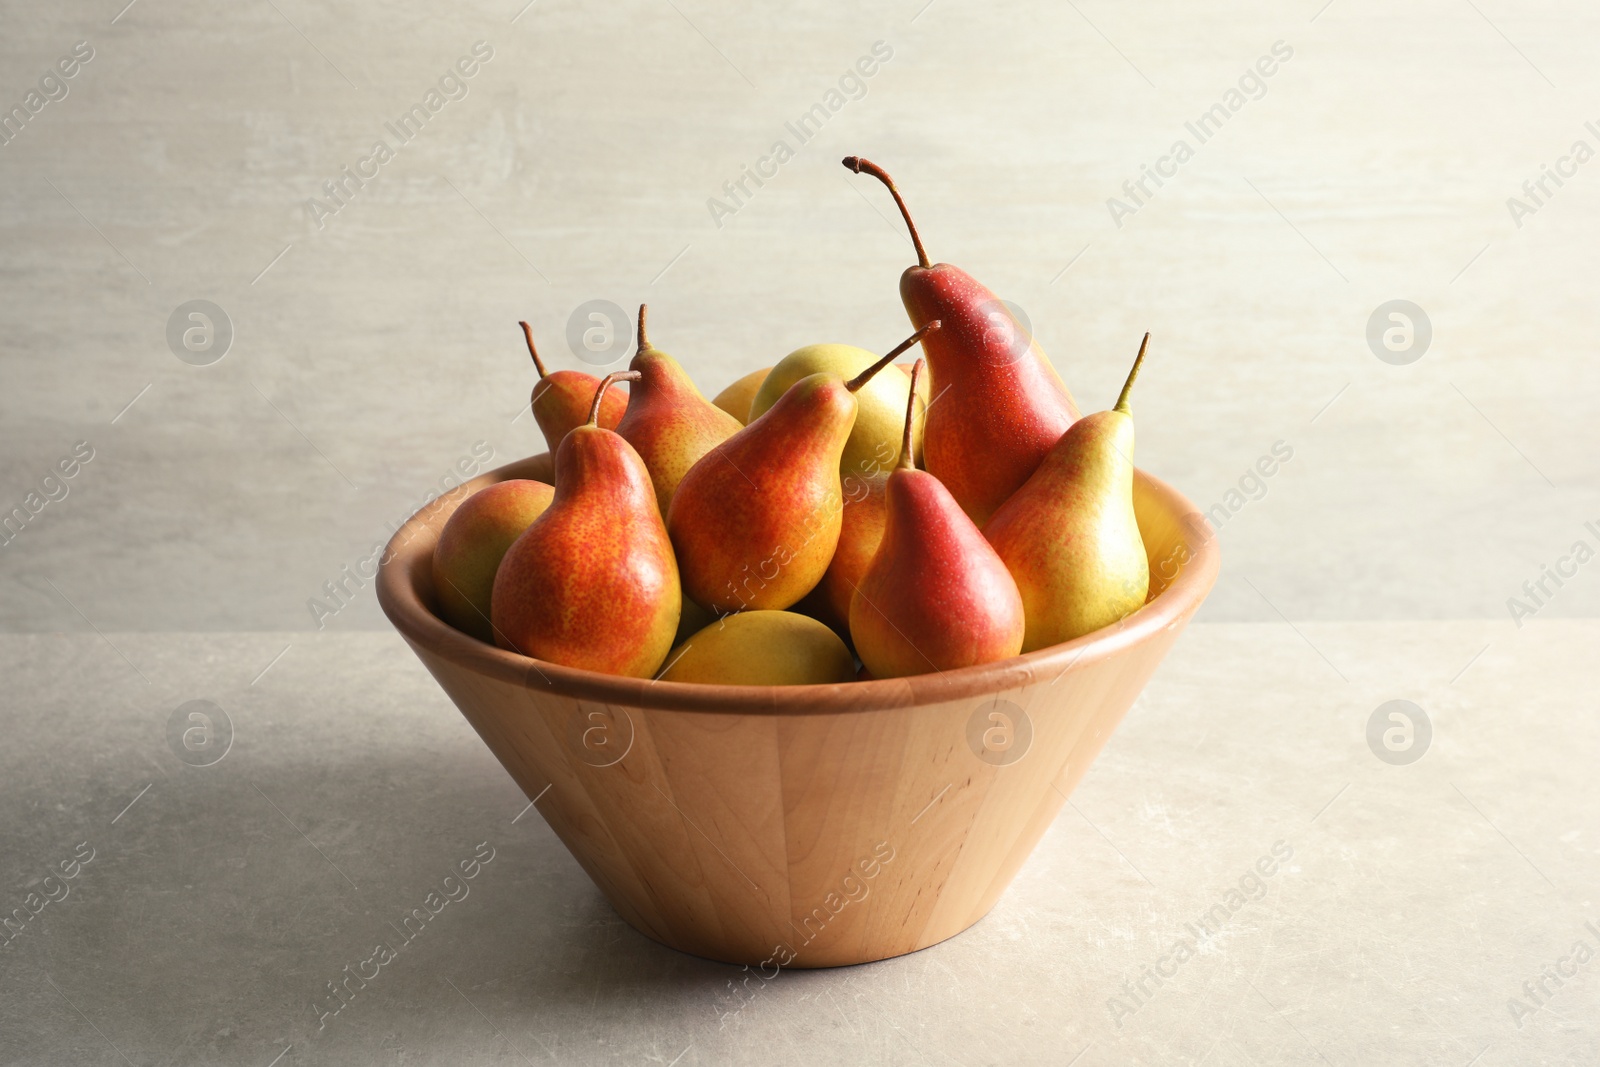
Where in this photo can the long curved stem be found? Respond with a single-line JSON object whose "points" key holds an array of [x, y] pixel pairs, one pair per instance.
{"points": [[858, 165], [906, 460], [605, 383], [538, 364], [866, 376], [644, 342]]}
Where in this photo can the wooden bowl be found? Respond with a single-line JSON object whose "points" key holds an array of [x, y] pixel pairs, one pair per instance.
{"points": [[803, 826]]}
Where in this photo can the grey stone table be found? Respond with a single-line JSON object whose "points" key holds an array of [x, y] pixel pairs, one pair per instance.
{"points": [[209, 907]]}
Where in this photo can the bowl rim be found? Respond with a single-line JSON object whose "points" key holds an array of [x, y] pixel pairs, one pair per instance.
{"points": [[411, 548]]}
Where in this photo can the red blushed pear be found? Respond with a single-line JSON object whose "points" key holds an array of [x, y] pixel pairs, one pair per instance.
{"points": [[861, 524], [473, 543], [561, 399], [592, 583], [668, 422], [1069, 536], [936, 597], [1002, 405], [756, 520]]}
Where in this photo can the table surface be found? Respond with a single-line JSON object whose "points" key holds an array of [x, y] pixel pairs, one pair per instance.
{"points": [[221, 900], [1383, 511]]}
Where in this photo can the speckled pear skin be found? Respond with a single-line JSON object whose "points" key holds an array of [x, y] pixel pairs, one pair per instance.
{"points": [[756, 521], [1000, 408], [592, 583], [1001, 405], [1069, 536], [561, 402], [669, 423], [860, 530], [935, 597], [473, 543]]}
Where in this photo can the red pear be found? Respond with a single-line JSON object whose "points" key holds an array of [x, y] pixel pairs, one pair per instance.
{"points": [[861, 524], [592, 583], [756, 520], [668, 422], [561, 399], [1001, 405], [936, 597]]}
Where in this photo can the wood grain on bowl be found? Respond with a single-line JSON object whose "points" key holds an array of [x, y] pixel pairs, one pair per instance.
{"points": [[804, 826]]}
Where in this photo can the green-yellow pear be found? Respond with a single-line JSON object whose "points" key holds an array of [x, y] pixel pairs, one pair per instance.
{"points": [[737, 398], [473, 543], [1069, 536], [762, 648], [874, 444]]}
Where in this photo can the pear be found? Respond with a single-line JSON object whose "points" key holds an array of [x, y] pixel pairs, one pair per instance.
{"points": [[668, 422], [1069, 535], [874, 445], [472, 544], [592, 583], [1002, 406], [736, 398], [935, 597], [762, 648], [561, 399], [691, 620], [756, 520], [861, 523]]}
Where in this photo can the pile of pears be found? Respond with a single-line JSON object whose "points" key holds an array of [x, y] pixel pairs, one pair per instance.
{"points": [[836, 517]]}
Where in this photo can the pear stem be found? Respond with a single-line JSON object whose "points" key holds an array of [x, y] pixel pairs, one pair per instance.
{"points": [[538, 364], [866, 376], [1127, 386], [644, 342], [605, 383], [906, 460], [858, 165]]}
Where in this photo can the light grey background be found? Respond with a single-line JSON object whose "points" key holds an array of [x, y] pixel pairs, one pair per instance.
{"points": [[1376, 166], [371, 355]]}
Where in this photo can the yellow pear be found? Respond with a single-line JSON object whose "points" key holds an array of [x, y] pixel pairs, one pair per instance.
{"points": [[1069, 536], [762, 648], [737, 398], [874, 444]]}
